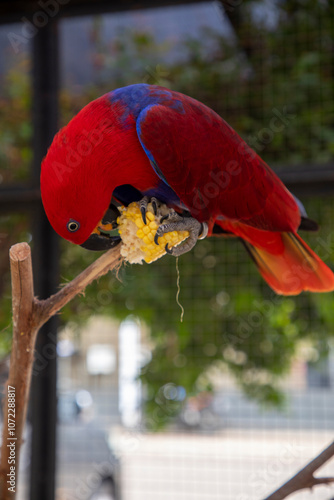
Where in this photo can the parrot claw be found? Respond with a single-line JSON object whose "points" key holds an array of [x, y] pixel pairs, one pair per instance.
{"points": [[143, 206], [154, 202], [176, 222], [168, 250]]}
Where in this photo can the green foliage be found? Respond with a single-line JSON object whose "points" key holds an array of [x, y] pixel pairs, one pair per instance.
{"points": [[15, 125], [232, 320]]}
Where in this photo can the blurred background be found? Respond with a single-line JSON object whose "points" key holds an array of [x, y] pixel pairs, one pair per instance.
{"points": [[231, 402]]}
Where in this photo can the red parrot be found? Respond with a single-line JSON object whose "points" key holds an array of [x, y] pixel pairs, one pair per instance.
{"points": [[145, 142]]}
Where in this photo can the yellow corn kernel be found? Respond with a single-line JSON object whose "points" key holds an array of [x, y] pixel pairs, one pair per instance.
{"points": [[153, 225], [146, 240], [150, 216], [138, 238], [139, 222]]}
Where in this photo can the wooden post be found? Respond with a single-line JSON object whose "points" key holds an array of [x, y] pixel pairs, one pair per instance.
{"points": [[29, 314], [21, 362]]}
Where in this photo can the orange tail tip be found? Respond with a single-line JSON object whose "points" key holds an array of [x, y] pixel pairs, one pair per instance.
{"points": [[295, 270]]}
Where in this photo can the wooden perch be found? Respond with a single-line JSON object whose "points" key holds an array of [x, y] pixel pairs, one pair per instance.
{"points": [[305, 478], [29, 314]]}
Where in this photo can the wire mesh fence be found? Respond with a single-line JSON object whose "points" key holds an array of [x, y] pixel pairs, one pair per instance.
{"points": [[231, 401]]}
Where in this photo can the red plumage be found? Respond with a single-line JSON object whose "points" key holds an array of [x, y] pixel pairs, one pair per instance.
{"points": [[168, 145]]}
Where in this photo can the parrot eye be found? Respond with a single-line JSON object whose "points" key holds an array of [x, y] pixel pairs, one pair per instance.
{"points": [[73, 226]]}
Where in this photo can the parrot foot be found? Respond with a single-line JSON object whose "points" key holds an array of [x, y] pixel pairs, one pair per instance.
{"points": [[175, 222], [143, 206]]}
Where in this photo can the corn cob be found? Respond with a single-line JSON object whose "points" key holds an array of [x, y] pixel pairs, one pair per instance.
{"points": [[138, 238]]}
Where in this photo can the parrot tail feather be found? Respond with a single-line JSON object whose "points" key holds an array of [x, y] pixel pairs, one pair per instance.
{"points": [[295, 270]]}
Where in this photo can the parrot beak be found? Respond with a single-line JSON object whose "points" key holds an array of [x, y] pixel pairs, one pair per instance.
{"points": [[105, 235], [100, 242]]}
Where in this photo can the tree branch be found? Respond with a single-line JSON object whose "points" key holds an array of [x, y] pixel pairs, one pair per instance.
{"points": [[305, 478], [29, 314], [107, 262]]}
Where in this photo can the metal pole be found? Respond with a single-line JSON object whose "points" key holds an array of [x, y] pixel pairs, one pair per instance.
{"points": [[43, 410]]}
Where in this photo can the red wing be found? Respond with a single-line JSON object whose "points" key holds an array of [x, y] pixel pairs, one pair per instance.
{"points": [[211, 169]]}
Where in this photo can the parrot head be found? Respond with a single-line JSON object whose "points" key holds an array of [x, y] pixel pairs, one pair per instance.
{"points": [[76, 188]]}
